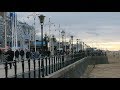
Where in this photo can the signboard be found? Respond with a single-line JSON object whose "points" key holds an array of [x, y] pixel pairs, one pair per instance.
{"points": [[39, 43]]}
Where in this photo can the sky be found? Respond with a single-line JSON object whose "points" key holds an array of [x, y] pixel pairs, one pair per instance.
{"points": [[97, 29]]}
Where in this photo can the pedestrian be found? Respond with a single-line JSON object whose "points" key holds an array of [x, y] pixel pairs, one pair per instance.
{"points": [[0, 55], [48, 53], [17, 55], [28, 54], [22, 54], [37, 54], [10, 56], [33, 55], [0, 51]]}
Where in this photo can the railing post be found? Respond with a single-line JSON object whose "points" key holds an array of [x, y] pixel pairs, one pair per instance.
{"points": [[22, 68], [42, 66], [15, 68], [39, 75], [49, 65], [46, 65], [29, 67], [34, 68], [62, 60], [6, 69], [54, 63]]}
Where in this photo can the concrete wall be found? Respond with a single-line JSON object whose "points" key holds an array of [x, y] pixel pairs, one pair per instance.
{"points": [[100, 59], [80, 68]]}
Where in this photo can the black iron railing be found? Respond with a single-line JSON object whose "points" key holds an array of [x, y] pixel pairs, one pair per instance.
{"points": [[41, 67]]}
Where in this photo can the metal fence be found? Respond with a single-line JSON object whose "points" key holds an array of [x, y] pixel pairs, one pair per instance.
{"points": [[41, 67]]}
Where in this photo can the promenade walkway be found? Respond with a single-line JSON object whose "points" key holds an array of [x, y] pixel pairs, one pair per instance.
{"points": [[111, 70]]}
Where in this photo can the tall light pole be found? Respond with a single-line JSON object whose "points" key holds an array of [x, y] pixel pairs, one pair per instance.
{"points": [[41, 18], [63, 34], [72, 44], [83, 46], [29, 37], [77, 43], [5, 24], [59, 36], [34, 16], [49, 34]]}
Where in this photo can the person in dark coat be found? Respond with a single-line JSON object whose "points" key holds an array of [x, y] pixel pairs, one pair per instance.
{"points": [[28, 54], [48, 53], [17, 54], [10, 56], [22, 54], [0, 55], [0, 51]]}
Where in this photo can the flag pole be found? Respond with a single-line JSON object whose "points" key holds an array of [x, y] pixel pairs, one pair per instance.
{"points": [[16, 29], [12, 24], [5, 29]]}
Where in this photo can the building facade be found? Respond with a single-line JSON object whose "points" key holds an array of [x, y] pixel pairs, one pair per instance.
{"points": [[25, 33]]}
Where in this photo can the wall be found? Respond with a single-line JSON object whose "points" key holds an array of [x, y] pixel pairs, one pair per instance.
{"points": [[80, 68]]}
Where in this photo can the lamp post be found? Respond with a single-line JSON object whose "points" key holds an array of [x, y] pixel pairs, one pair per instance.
{"points": [[83, 46], [41, 18], [77, 43], [72, 44], [63, 34], [34, 17], [5, 25]]}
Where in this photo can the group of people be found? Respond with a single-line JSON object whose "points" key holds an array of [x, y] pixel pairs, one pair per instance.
{"points": [[10, 55]]}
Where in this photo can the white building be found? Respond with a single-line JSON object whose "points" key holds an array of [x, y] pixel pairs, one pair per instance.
{"points": [[25, 33]]}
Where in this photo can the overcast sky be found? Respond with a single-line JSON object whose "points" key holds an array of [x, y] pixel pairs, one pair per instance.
{"points": [[102, 28]]}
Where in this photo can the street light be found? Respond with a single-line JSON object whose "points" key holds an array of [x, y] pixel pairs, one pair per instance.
{"points": [[34, 17], [63, 34], [41, 18], [72, 44], [83, 46], [77, 44]]}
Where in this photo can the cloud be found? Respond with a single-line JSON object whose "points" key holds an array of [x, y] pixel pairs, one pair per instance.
{"points": [[93, 33], [100, 27]]}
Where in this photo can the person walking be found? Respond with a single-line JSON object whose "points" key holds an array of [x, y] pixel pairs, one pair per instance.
{"points": [[28, 55], [10, 56], [0, 53], [17, 55], [22, 54]]}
